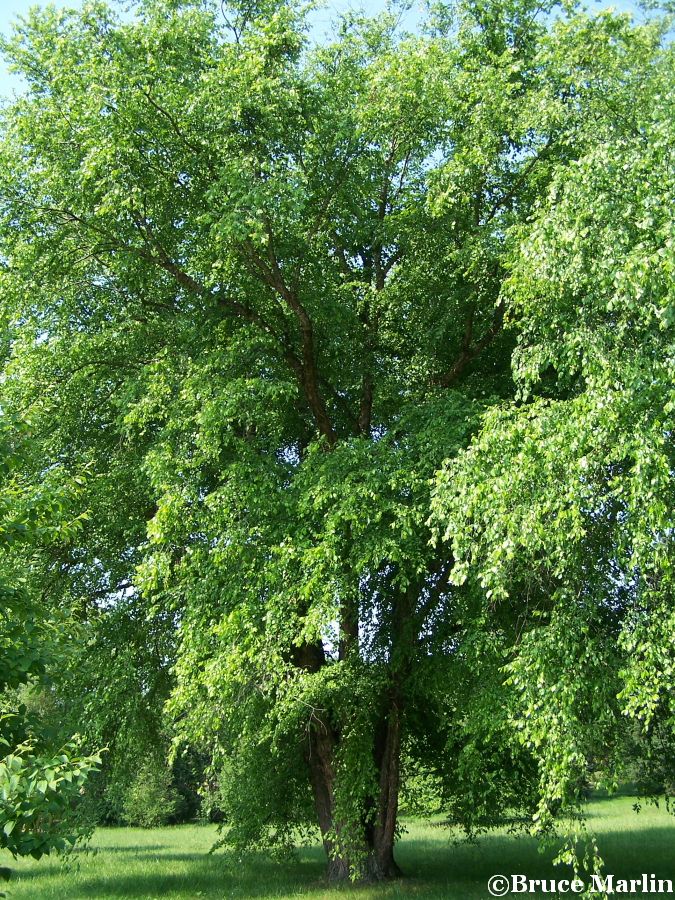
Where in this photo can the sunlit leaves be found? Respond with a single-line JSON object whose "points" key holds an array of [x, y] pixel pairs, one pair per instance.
{"points": [[563, 506]]}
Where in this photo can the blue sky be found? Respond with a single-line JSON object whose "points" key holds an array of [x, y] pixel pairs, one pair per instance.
{"points": [[11, 9]]}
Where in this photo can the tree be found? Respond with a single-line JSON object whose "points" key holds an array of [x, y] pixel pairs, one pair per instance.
{"points": [[39, 782], [259, 289]]}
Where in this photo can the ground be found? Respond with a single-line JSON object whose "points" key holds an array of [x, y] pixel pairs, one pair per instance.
{"points": [[174, 863]]}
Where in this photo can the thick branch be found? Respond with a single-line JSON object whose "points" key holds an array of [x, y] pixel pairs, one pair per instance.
{"points": [[159, 256], [470, 351], [308, 373]]}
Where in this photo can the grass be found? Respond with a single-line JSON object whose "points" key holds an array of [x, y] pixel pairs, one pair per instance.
{"points": [[174, 863]]}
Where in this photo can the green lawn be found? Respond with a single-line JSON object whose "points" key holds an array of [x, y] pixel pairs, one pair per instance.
{"points": [[173, 862]]}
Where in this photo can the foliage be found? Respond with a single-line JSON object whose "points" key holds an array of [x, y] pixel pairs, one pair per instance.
{"points": [[37, 787], [36, 796], [564, 503], [112, 688], [149, 801]]}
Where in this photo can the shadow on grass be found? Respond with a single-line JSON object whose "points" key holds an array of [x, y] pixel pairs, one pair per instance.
{"points": [[464, 870], [433, 867], [136, 849], [201, 876], [644, 850]]}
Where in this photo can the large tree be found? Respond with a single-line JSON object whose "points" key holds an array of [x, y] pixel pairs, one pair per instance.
{"points": [[258, 290]]}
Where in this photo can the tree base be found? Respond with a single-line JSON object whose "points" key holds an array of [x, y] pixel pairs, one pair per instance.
{"points": [[370, 871]]}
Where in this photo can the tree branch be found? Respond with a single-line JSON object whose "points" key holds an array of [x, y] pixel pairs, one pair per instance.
{"points": [[308, 373], [470, 351], [172, 121]]}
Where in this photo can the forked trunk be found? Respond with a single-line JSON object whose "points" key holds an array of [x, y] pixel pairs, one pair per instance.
{"points": [[374, 859]]}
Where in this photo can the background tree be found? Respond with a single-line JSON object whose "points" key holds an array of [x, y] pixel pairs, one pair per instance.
{"points": [[258, 289]]}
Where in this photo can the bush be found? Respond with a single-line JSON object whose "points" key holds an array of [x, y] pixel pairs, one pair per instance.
{"points": [[151, 797]]}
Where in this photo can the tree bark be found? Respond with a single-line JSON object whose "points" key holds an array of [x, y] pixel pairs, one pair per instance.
{"points": [[373, 860], [384, 831]]}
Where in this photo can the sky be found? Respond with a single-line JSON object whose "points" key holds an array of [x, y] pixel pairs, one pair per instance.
{"points": [[10, 10]]}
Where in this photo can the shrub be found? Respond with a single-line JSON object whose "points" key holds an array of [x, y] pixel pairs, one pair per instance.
{"points": [[151, 797]]}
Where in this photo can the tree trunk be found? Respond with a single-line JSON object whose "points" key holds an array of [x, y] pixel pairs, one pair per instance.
{"points": [[374, 859], [384, 831]]}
